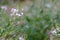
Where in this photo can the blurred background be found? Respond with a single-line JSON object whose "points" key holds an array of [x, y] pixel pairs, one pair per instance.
{"points": [[29, 19]]}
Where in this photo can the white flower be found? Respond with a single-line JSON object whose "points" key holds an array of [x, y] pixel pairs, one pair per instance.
{"points": [[21, 38], [58, 29], [53, 31], [4, 7], [21, 13], [22, 9], [18, 14], [13, 10], [48, 5]]}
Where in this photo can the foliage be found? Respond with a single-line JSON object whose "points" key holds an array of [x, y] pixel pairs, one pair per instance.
{"points": [[33, 25]]}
